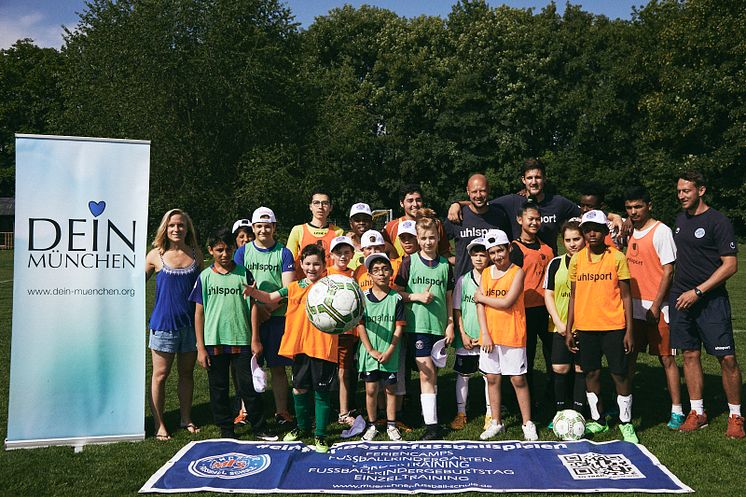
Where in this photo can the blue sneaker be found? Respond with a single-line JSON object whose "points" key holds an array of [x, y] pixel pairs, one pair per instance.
{"points": [[676, 421]]}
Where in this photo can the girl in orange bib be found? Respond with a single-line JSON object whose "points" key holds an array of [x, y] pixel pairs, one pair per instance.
{"points": [[502, 321]]}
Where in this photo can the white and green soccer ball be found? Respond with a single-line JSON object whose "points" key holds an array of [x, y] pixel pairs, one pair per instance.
{"points": [[568, 425], [335, 304]]}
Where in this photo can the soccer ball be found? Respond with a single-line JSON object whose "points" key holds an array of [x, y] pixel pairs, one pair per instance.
{"points": [[335, 304], [568, 425]]}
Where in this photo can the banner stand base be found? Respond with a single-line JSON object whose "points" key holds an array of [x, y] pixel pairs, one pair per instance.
{"points": [[77, 442]]}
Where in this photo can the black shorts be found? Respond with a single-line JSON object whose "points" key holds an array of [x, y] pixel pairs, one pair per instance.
{"points": [[594, 344], [270, 333], [422, 343], [311, 373], [378, 375], [708, 322], [466, 364], [560, 353]]}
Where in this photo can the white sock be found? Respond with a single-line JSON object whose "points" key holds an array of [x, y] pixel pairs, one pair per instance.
{"points": [[462, 393], [677, 409], [735, 409], [429, 408], [593, 405], [698, 406], [488, 411], [625, 407]]}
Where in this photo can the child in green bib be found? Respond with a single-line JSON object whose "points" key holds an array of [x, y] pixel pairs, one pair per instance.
{"points": [[378, 353], [426, 280], [222, 326], [467, 340]]}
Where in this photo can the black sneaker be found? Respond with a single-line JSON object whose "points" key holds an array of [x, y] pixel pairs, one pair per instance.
{"points": [[227, 433], [284, 419], [265, 434], [432, 432]]}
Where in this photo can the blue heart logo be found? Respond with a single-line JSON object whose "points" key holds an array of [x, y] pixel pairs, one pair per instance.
{"points": [[96, 208]]}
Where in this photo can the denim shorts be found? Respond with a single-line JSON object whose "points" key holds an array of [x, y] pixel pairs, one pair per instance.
{"points": [[172, 342]]}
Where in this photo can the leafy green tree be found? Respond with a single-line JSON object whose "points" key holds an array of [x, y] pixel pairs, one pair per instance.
{"points": [[694, 114], [30, 100], [206, 82]]}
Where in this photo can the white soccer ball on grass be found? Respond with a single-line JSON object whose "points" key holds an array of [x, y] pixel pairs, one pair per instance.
{"points": [[568, 425]]}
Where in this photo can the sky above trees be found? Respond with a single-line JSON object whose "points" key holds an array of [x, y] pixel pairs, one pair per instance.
{"points": [[41, 20]]}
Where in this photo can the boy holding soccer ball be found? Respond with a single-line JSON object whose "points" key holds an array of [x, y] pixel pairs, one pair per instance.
{"points": [[314, 353], [380, 332]]}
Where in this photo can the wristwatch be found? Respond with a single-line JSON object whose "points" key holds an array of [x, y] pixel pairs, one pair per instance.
{"points": [[698, 292]]}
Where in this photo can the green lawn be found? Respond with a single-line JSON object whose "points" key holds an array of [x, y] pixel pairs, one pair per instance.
{"points": [[705, 460]]}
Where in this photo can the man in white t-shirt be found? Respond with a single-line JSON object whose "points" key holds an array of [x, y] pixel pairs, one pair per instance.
{"points": [[651, 254]]}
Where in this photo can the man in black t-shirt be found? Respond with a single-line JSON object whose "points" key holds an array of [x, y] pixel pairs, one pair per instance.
{"points": [[700, 309], [554, 209], [477, 217]]}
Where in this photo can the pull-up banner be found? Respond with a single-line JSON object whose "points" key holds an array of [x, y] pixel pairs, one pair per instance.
{"points": [[77, 370], [414, 467]]}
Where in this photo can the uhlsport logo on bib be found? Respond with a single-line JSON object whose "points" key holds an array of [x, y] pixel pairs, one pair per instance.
{"points": [[229, 466]]}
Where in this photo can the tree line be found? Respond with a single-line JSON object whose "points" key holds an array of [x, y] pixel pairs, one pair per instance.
{"points": [[244, 108]]}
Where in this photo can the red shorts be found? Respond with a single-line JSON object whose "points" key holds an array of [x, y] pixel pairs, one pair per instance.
{"points": [[652, 338], [347, 348]]}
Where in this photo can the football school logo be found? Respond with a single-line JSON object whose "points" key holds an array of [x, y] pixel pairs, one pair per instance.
{"points": [[699, 233], [229, 466]]}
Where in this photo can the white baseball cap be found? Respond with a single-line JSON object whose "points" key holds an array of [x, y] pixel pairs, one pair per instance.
{"points": [[439, 353], [477, 242], [494, 238], [407, 226], [241, 223], [341, 240], [259, 378], [360, 208], [263, 215], [372, 257], [594, 216], [371, 238]]}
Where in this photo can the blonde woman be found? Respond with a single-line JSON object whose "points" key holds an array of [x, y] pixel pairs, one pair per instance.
{"points": [[176, 261]]}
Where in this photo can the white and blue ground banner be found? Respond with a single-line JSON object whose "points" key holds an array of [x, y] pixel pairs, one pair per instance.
{"points": [[77, 372], [414, 467]]}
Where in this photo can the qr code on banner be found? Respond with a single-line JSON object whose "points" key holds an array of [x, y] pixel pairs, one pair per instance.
{"points": [[593, 466]]}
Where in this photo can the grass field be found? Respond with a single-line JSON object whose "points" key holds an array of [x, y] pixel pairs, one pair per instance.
{"points": [[706, 460]]}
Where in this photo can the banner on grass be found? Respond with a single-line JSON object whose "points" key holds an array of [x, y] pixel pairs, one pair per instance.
{"points": [[412, 467], [77, 371]]}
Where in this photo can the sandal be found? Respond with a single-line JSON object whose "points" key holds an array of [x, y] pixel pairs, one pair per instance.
{"points": [[190, 427], [162, 437]]}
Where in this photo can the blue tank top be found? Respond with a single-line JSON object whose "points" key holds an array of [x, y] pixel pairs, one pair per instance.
{"points": [[173, 310]]}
